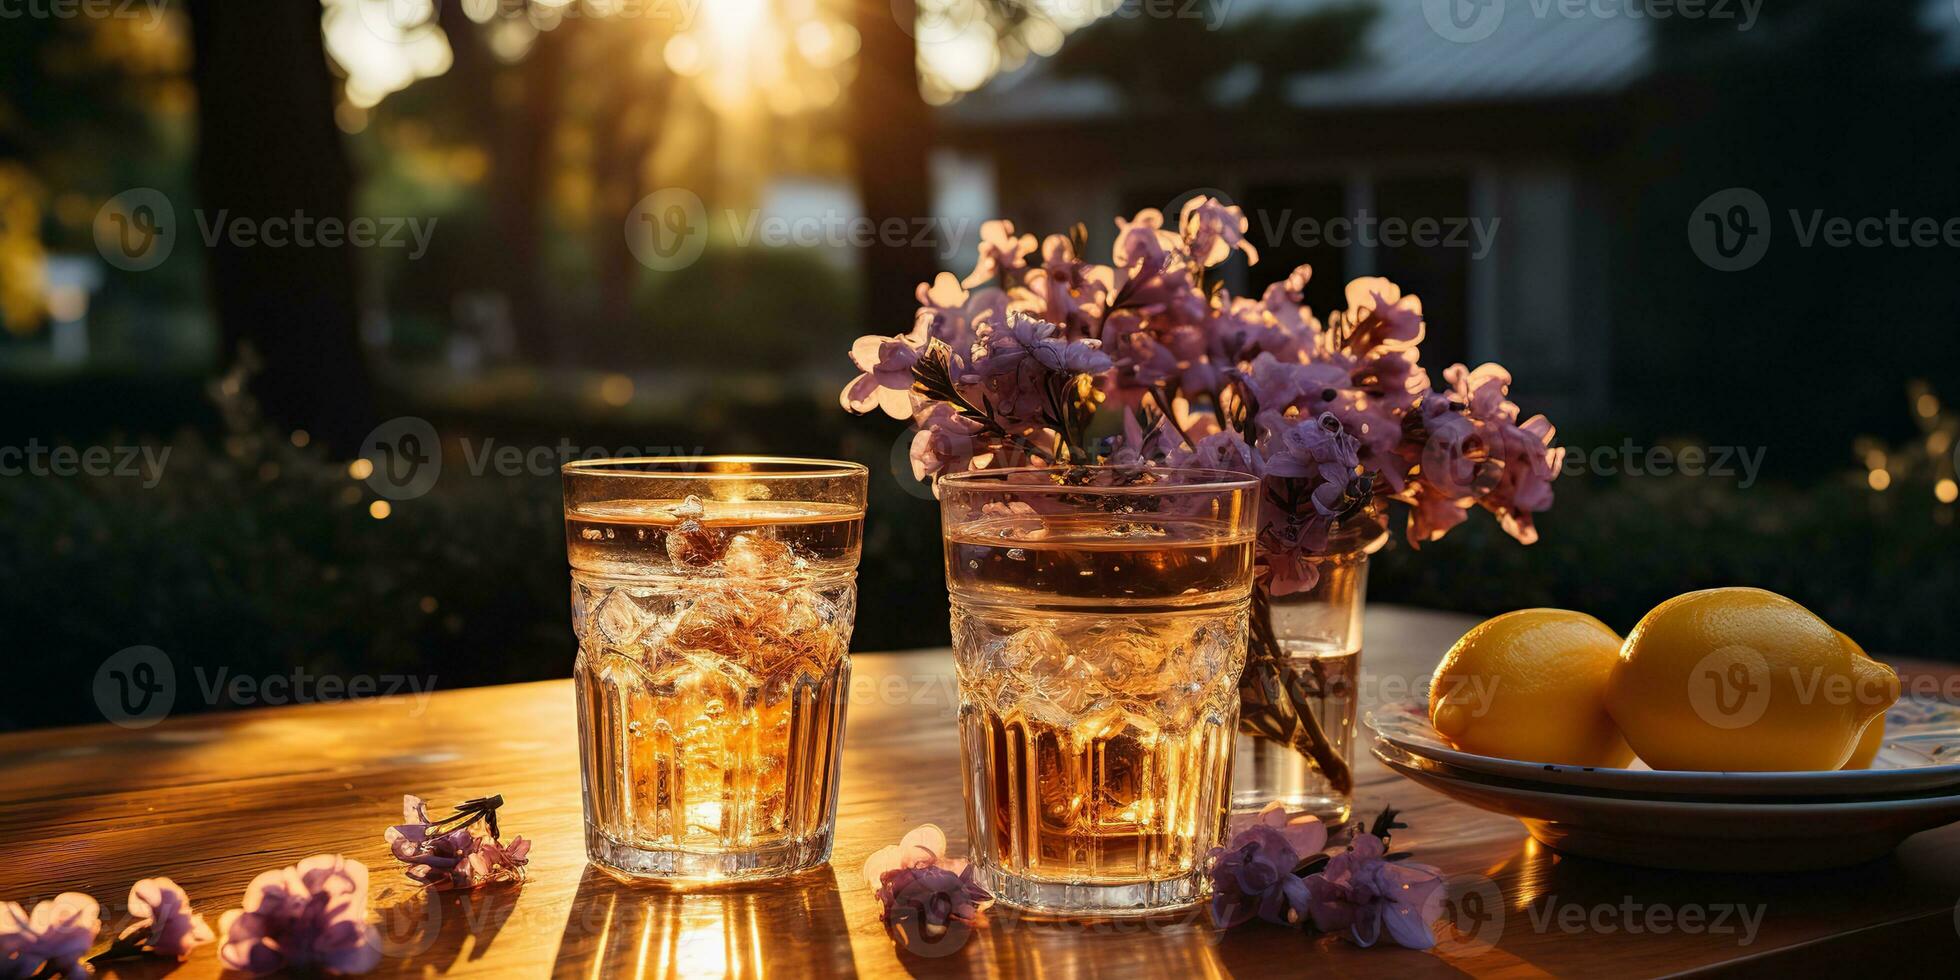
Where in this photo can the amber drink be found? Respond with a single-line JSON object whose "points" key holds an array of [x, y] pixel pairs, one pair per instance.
{"points": [[713, 600], [1099, 621]]}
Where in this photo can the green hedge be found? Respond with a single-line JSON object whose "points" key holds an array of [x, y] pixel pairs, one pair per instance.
{"points": [[259, 557]]}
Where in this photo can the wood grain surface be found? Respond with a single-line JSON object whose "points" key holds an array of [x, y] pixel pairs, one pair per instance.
{"points": [[212, 800]]}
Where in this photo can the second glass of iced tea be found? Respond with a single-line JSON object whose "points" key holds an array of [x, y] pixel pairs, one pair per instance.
{"points": [[1099, 621], [713, 599]]}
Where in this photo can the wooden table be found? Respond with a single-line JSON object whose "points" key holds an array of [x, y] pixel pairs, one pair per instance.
{"points": [[212, 800]]}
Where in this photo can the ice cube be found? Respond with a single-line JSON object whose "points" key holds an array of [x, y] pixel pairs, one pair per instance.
{"points": [[694, 545], [625, 617], [721, 620], [1060, 685], [1036, 649], [1129, 657], [755, 554]]}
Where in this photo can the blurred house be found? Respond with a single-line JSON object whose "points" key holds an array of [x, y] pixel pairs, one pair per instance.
{"points": [[1507, 143]]}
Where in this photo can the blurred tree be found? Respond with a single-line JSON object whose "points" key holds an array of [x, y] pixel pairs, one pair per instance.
{"points": [[269, 148], [514, 111], [89, 107], [891, 129], [891, 133], [22, 258]]}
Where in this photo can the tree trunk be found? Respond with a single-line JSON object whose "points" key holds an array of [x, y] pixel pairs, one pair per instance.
{"points": [[528, 193], [268, 149], [891, 134], [623, 139]]}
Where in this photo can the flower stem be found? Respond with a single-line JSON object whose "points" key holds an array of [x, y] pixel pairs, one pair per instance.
{"points": [[1269, 711], [1170, 415]]}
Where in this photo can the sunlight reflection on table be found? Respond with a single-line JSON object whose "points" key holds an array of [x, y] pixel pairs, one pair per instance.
{"points": [[620, 930]]}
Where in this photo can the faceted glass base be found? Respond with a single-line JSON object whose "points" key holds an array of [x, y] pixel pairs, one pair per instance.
{"points": [[1332, 808], [1075, 898], [639, 864]]}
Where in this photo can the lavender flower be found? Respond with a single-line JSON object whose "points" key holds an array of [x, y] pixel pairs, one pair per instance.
{"points": [[449, 853], [1253, 875], [1021, 365], [54, 937], [1071, 357], [312, 915], [1001, 252], [1153, 270], [1363, 895], [887, 379], [1213, 229], [951, 314], [1475, 453], [1379, 316], [1220, 451], [925, 896], [1038, 341], [947, 442], [1066, 290], [165, 925]]}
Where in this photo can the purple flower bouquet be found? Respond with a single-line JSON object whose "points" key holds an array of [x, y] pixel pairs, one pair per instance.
{"points": [[1020, 361]]}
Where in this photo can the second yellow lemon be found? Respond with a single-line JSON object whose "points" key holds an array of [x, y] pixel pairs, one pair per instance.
{"points": [[1743, 680], [1529, 685], [1868, 743]]}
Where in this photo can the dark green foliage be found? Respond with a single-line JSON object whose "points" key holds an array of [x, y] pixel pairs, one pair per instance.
{"points": [[222, 565]]}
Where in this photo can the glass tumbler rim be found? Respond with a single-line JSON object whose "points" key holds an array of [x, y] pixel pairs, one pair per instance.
{"points": [[1186, 479], [762, 468]]}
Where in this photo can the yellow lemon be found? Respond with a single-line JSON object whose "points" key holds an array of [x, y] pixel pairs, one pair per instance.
{"points": [[1529, 685], [1743, 680], [1868, 743]]}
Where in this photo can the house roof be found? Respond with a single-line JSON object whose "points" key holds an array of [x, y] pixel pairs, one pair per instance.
{"points": [[1534, 52]]}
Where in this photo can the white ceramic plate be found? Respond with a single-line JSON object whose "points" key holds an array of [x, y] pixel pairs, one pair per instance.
{"points": [[1689, 835], [1921, 752]]}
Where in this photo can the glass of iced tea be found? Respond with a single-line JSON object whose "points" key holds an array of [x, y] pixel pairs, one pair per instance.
{"points": [[1099, 621], [713, 599]]}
